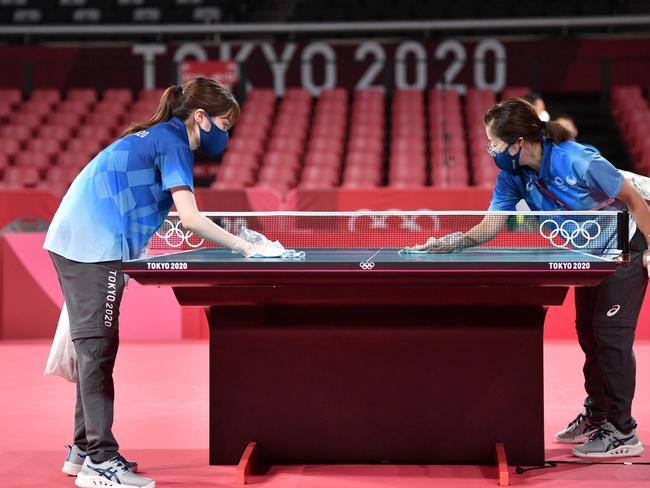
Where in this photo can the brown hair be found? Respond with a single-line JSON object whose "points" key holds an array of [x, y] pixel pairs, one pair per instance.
{"points": [[515, 118], [181, 101]]}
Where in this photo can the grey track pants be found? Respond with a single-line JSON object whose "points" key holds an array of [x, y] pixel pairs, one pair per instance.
{"points": [[93, 292]]}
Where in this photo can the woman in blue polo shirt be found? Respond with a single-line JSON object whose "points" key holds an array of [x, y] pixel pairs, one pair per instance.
{"points": [[540, 165], [109, 213]]}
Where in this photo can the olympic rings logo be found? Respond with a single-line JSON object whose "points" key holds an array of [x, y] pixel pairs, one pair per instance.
{"points": [[174, 236], [367, 265], [570, 232]]}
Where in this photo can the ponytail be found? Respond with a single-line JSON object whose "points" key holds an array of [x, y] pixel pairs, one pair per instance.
{"points": [[554, 131], [181, 101], [162, 114]]}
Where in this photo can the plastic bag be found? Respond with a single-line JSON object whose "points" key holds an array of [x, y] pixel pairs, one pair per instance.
{"points": [[63, 359], [264, 248]]}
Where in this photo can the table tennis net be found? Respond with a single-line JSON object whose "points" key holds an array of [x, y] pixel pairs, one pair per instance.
{"points": [[590, 232]]}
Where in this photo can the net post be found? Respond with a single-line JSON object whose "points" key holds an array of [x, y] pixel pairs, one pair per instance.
{"points": [[623, 230]]}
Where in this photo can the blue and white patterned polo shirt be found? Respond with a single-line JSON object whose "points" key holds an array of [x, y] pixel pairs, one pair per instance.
{"points": [[122, 196]]}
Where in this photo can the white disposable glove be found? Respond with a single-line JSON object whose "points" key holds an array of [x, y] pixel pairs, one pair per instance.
{"points": [[450, 243]]}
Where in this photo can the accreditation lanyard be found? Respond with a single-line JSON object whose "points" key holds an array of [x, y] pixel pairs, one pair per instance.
{"points": [[550, 195], [600, 205]]}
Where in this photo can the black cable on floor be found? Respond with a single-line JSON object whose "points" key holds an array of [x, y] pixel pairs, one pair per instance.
{"points": [[553, 464]]}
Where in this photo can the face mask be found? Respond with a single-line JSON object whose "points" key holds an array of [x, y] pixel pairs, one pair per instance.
{"points": [[544, 116], [214, 141], [507, 162]]}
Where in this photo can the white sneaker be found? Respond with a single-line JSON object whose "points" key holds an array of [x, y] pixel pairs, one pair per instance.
{"points": [[75, 459], [112, 473]]}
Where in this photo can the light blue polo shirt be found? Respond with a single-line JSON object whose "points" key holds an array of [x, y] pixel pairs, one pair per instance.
{"points": [[122, 196], [577, 175]]}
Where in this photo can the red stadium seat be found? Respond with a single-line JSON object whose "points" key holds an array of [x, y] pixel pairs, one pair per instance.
{"points": [[289, 132], [244, 174], [87, 95], [320, 173], [328, 131], [57, 132], [36, 160], [17, 132], [41, 108], [367, 144], [362, 158], [29, 119], [4, 162], [123, 95], [100, 133], [297, 94], [266, 94], [227, 185], [235, 158], [12, 96], [362, 173], [65, 119], [326, 144], [85, 145], [50, 95], [27, 177], [243, 144], [115, 107], [64, 175], [5, 110], [74, 159], [287, 159], [102, 118], [316, 185], [153, 94], [146, 106], [49, 147], [285, 144], [10, 147], [276, 173], [318, 158], [251, 132]]}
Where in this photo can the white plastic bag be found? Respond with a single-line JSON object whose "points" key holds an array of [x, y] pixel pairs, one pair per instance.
{"points": [[62, 360]]}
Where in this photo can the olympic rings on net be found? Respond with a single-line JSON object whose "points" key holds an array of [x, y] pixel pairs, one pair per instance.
{"points": [[175, 237], [367, 265], [569, 231]]}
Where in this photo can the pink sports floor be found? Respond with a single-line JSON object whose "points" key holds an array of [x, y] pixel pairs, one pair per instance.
{"points": [[162, 422]]}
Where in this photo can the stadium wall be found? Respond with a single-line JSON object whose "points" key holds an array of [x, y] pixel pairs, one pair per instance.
{"points": [[560, 65]]}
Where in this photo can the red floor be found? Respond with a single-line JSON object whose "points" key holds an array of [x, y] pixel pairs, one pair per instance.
{"points": [[162, 418]]}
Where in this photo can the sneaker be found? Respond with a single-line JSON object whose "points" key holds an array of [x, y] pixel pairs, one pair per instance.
{"points": [[74, 461], [112, 473], [608, 441], [578, 430]]}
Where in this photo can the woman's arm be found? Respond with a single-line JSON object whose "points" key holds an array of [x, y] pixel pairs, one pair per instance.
{"points": [[639, 210], [200, 225], [482, 232]]}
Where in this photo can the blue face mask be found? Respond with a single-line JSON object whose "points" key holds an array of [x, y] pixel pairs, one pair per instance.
{"points": [[505, 161], [214, 141]]}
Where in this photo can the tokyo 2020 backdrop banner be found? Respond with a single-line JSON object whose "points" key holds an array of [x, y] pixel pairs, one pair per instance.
{"points": [[551, 66]]}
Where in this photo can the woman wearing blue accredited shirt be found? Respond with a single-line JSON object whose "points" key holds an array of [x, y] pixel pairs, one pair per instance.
{"points": [[542, 166], [109, 213]]}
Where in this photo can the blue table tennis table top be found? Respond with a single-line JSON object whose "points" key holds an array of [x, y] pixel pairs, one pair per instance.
{"points": [[207, 259]]}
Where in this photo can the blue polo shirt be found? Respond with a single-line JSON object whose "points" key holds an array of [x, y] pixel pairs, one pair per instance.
{"points": [[122, 196], [576, 175]]}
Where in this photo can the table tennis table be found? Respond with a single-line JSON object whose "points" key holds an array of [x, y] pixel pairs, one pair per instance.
{"points": [[369, 355]]}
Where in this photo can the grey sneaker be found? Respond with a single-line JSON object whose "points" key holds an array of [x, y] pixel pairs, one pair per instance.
{"points": [[75, 459], [578, 430], [112, 473], [608, 441]]}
